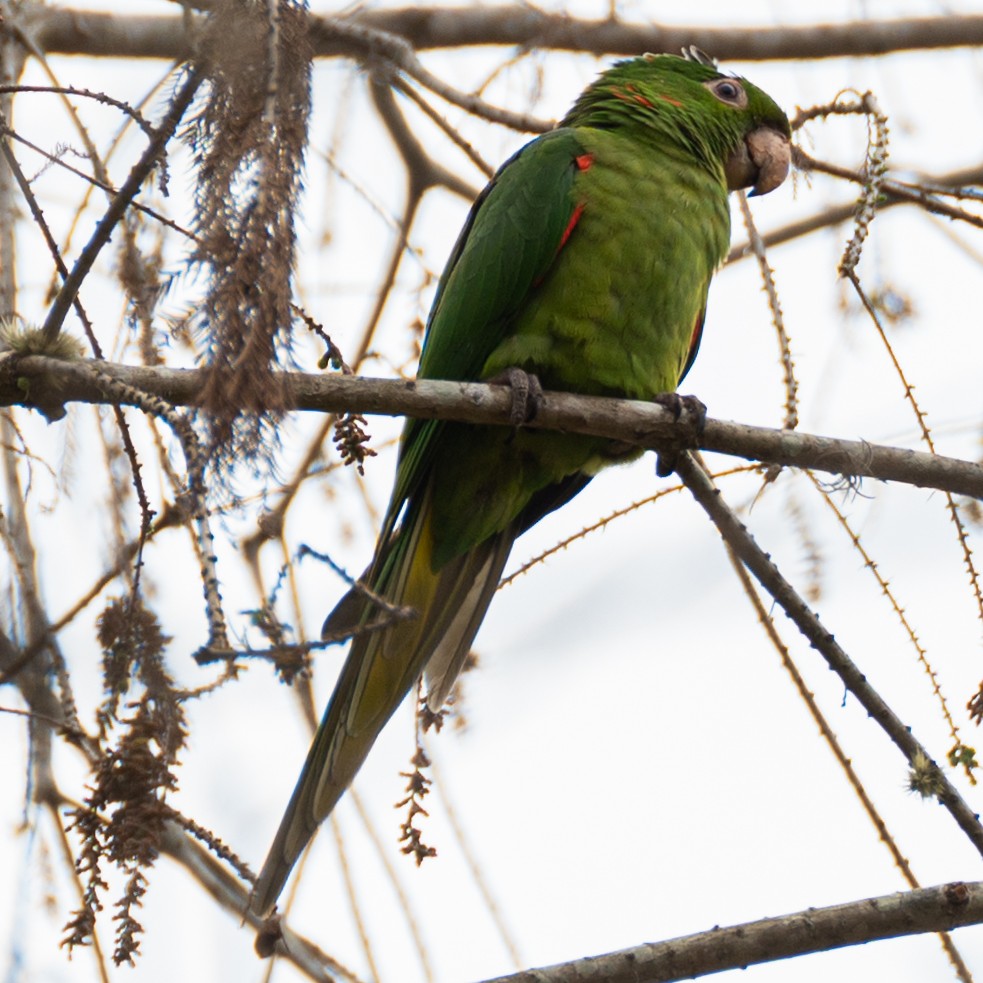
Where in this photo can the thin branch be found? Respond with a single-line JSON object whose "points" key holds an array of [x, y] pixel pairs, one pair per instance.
{"points": [[932, 909], [82, 93], [354, 904], [150, 159], [757, 247], [373, 43], [392, 872], [894, 193], [899, 612], [57, 161], [195, 501], [228, 891], [646, 425], [478, 876], [764, 570], [423, 172], [842, 759], [456, 138]]}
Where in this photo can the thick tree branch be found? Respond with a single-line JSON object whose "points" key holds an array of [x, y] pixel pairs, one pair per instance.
{"points": [[76, 32], [931, 909], [46, 383]]}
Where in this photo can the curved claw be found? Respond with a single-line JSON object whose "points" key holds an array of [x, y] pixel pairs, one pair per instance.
{"points": [[526, 391], [691, 413]]}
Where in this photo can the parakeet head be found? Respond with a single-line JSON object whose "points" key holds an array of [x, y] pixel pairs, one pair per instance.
{"points": [[725, 122]]}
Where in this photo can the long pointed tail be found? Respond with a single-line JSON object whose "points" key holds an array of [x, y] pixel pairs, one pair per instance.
{"points": [[381, 668]]}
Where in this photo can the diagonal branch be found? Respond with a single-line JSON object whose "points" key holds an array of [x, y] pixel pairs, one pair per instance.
{"points": [[764, 570], [931, 909], [228, 892], [150, 159]]}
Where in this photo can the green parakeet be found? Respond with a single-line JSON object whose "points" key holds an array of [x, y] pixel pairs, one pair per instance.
{"points": [[585, 263]]}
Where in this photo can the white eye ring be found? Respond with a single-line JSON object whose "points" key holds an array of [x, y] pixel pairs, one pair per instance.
{"points": [[729, 91]]}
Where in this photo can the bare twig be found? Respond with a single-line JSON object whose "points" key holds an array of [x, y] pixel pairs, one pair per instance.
{"points": [[447, 129], [757, 246], [82, 93], [373, 43], [97, 183], [894, 193], [888, 592], [150, 158], [196, 461], [231, 895]]}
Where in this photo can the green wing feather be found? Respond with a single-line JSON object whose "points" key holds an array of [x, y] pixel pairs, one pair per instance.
{"points": [[511, 237], [587, 261]]}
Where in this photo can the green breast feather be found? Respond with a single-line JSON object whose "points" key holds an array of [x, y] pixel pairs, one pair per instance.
{"points": [[586, 261]]}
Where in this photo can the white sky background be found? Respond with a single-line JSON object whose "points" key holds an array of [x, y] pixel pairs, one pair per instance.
{"points": [[637, 765]]}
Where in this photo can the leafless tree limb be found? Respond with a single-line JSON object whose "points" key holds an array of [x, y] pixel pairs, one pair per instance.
{"points": [[151, 158], [67, 31], [389, 45], [764, 570], [644, 424], [877, 820], [895, 193], [931, 909]]}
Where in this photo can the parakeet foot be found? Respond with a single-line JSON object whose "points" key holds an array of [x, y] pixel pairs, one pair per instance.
{"points": [[527, 394], [692, 415]]}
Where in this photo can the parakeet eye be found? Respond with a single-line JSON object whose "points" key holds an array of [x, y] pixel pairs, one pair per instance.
{"points": [[729, 91]]}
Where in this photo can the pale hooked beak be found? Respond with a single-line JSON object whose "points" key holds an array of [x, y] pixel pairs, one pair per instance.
{"points": [[761, 162]]}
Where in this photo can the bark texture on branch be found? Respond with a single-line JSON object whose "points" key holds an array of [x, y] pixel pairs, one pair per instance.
{"points": [[931, 909], [76, 32], [48, 384]]}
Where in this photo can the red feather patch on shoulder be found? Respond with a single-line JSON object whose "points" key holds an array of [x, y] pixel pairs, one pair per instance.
{"points": [[583, 162], [571, 225]]}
